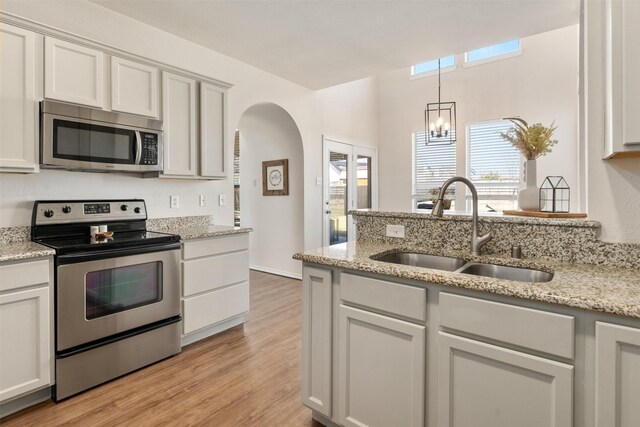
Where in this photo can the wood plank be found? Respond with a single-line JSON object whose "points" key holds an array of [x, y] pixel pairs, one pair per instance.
{"points": [[248, 375], [546, 214]]}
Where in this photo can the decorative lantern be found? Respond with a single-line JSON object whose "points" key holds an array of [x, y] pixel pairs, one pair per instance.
{"points": [[554, 195]]}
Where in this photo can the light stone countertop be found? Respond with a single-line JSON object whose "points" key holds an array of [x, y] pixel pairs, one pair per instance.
{"points": [[205, 231], [23, 250], [606, 289]]}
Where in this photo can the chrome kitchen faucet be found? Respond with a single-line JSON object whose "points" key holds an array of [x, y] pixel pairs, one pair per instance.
{"points": [[477, 242]]}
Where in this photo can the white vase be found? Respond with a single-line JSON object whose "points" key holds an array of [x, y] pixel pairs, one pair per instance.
{"points": [[528, 197]]}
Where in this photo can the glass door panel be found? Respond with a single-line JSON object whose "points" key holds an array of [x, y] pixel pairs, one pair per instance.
{"points": [[338, 197], [363, 182]]}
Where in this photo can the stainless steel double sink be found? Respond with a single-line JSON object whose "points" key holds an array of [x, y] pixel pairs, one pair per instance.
{"points": [[457, 265]]}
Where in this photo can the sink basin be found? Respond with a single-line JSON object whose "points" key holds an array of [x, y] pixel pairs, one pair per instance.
{"points": [[509, 273], [424, 260]]}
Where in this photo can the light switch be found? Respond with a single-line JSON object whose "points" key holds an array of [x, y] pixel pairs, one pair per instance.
{"points": [[319, 181], [203, 200], [222, 199]]}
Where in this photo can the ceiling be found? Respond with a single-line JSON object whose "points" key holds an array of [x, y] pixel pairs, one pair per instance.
{"points": [[318, 44]]}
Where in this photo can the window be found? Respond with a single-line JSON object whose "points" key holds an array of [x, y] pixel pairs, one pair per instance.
{"points": [[493, 167], [493, 51], [432, 165], [430, 66]]}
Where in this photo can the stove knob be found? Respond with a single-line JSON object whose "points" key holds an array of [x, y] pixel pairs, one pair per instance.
{"points": [[66, 209], [48, 213], [137, 210], [124, 208]]}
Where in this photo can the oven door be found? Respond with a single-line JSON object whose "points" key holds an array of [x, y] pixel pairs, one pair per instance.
{"points": [[102, 294]]}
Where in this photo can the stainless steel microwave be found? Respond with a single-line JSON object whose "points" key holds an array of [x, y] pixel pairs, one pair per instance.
{"points": [[81, 138]]}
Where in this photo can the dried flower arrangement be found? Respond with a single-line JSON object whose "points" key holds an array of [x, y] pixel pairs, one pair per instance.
{"points": [[532, 141]]}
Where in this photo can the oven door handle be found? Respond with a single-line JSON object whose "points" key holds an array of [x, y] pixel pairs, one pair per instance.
{"points": [[115, 253]]}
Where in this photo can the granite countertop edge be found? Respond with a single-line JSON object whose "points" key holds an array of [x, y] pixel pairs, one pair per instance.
{"points": [[203, 232], [23, 251], [492, 218], [597, 288]]}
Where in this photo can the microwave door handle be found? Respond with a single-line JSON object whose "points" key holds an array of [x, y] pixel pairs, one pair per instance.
{"points": [[138, 148]]}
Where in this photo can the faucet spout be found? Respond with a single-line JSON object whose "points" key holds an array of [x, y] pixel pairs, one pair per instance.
{"points": [[477, 242]]}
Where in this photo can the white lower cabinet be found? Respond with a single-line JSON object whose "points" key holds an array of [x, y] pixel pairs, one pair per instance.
{"points": [[215, 285], [26, 351], [382, 353], [381, 370], [317, 348], [480, 384], [617, 375]]}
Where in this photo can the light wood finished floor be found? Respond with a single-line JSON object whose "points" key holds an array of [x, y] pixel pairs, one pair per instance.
{"points": [[246, 376]]}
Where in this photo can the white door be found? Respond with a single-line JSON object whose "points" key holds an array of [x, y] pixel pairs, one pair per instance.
{"points": [[349, 182]]}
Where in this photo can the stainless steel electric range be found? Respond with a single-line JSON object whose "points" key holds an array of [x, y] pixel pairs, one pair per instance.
{"points": [[117, 289]]}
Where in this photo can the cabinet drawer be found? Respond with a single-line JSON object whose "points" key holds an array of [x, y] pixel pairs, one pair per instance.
{"points": [[207, 274], [21, 274], [393, 298], [214, 307], [214, 246], [534, 329]]}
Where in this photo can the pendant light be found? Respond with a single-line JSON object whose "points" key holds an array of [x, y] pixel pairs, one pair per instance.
{"points": [[440, 120]]}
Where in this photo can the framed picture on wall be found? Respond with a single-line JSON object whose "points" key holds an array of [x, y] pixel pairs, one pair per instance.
{"points": [[275, 178]]}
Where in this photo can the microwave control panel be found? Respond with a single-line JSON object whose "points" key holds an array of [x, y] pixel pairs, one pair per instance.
{"points": [[149, 148]]}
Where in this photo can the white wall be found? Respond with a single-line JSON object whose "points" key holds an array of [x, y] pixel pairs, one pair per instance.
{"points": [[251, 86], [613, 186], [540, 86], [267, 132], [349, 112]]}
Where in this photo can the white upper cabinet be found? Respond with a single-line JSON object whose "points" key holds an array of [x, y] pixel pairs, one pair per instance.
{"points": [[179, 120], [18, 100], [212, 130], [73, 73], [622, 82], [134, 87]]}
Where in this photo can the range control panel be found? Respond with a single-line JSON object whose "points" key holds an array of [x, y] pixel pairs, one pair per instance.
{"points": [[74, 211]]}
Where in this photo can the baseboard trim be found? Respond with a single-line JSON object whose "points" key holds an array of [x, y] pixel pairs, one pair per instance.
{"points": [[24, 402], [276, 272], [212, 330]]}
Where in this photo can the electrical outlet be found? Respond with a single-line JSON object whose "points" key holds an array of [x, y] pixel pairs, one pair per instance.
{"points": [[222, 199], [203, 200], [395, 231], [319, 181], [174, 202]]}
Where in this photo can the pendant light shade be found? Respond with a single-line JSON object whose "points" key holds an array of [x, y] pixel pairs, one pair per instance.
{"points": [[440, 120]]}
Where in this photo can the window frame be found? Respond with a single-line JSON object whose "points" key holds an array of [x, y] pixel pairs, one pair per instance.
{"points": [[467, 196], [510, 54], [415, 196], [430, 73]]}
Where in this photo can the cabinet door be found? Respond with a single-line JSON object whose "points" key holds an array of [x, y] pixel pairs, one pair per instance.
{"points": [[381, 370], [18, 101], [485, 385], [617, 375], [134, 87], [73, 73], [212, 129], [316, 339], [631, 73], [179, 117], [24, 342]]}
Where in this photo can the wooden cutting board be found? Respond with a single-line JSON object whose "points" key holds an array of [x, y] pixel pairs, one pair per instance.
{"points": [[547, 214]]}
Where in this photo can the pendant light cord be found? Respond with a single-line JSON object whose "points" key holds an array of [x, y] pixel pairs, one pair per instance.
{"points": [[439, 87]]}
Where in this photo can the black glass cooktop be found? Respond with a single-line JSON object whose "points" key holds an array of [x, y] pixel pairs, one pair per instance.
{"points": [[122, 239]]}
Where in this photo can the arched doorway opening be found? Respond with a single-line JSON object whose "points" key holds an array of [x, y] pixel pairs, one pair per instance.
{"points": [[268, 133]]}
